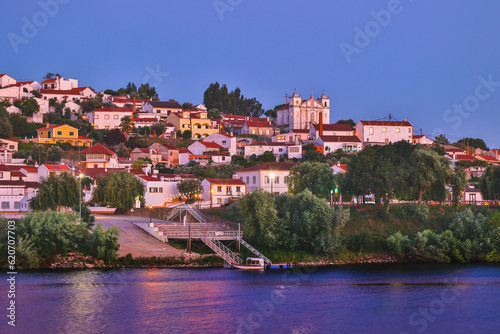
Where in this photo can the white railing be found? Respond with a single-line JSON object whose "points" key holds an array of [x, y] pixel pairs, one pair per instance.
{"points": [[253, 250], [216, 234], [178, 210], [220, 249]]}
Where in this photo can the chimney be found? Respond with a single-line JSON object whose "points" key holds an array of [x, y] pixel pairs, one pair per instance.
{"points": [[320, 124], [134, 105]]}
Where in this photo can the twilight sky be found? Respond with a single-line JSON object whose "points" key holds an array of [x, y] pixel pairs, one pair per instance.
{"points": [[436, 64]]}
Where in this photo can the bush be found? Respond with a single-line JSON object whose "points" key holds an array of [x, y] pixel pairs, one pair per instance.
{"points": [[420, 211]]}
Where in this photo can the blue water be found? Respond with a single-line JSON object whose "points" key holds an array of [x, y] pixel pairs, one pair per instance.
{"points": [[344, 299]]}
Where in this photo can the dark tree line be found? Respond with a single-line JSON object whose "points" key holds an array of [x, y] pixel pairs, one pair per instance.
{"points": [[234, 103]]}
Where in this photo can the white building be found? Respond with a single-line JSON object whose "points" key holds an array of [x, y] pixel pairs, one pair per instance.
{"points": [[330, 130], [162, 108], [349, 144], [271, 176], [161, 189], [384, 132], [279, 149], [46, 170], [300, 114], [224, 140], [6, 80], [221, 191], [108, 117], [98, 156], [422, 140], [60, 83], [295, 136], [200, 147]]}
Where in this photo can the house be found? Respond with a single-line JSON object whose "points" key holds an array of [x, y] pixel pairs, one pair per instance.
{"points": [[348, 144], [162, 108], [169, 154], [494, 153], [59, 83], [62, 133], [219, 158], [422, 140], [222, 191], [149, 153], [300, 114], [295, 136], [200, 147], [7, 148], [46, 170], [121, 102], [15, 190], [197, 122], [339, 168], [6, 80], [99, 156], [109, 117], [224, 140], [384, 132], [19, 90], [278, 149], [271, 176], [317, 130], [482, 157], [161, 189], [472, 195], [256, 128]]}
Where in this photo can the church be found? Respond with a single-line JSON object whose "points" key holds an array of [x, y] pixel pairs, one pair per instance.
{"points": [[300, 114]]}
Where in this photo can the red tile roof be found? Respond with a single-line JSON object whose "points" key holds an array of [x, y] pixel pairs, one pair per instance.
{"points": [[300, 131], [487, 157], [266, 143], [50, 80], [93, 173], [270, 166], [210, 144], [386, 123], [464, 157], [98, 149], [149, 178], [258, 124], [60, 167], [60, 92], [31, 169], [53, 126], [226, 181]]}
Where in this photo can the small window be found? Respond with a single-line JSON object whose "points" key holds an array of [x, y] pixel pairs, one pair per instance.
{"points": [[153, 190], [260, 149], [72, 133], [254, 179], [106, 116], [398, 130], [248, 180], [371, 131], [5, 205], [96, 116], [59, 133], [223, 142], [286, 179], [384, 130], [1, 175], [160, 189], [409, 130], [238, 189], [277, 179], [252, 149], [11, 147], [115, 117], [219, 189], [266, 179], [17, 205]]}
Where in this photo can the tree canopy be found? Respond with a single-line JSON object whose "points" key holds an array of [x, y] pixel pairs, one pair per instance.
{"points": [[489, 183], [314, 176], [234, 103], [57, 191], [189, 188], [118, 190]]}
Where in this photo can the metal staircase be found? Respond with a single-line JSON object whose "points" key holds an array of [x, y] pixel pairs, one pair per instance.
{"points": [[220, 249], [185, 209], [253, 250]]}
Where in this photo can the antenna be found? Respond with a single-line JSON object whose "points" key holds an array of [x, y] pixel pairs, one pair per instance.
{"points": [[421, 131], [390, 117]]}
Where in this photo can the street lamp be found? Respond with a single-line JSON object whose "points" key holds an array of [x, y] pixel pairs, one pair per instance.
{"points": [[150, 219], [80, 195], [272, 179]]}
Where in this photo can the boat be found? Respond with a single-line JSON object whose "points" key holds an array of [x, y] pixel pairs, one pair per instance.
{"points": [[252, 263]]}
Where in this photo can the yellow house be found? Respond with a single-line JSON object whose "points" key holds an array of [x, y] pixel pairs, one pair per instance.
{"points": [[196, 121], [62, 133]]}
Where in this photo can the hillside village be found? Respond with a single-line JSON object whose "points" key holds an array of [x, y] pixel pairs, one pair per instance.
{"points": [[58, 126]]}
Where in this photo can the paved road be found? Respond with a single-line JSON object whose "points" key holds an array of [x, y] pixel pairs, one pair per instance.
{"points": [[135, 240]]}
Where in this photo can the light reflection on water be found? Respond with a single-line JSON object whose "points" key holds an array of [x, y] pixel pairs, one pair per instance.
{"points": [[349, 299]]}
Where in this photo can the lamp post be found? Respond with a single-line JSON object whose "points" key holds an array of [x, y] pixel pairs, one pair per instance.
{"points": [[150, 219], [272, 179]]}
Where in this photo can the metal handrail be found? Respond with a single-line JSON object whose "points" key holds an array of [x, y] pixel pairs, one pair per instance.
{"points": [[253, 250], [220, 249]]}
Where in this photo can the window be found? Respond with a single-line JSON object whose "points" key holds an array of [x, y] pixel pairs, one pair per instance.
{"points": [[398, 130], [294, 150], [286, 179], [153, 190], [266, 179], [160, 189], [106, 116], [252, 149], [254, 180], [5, 205], [96, 116], [72, 133], [228, 190], [11, 147], [253, 132], [17, 205], [371, 131], [409, 130], [59, 133], [106, 127], [384, 130], [115, 117], [248, 180], [238, 189], [223, 142], [387, 140], [260, 149], [219, 189], [1, 175], [277, 179]]}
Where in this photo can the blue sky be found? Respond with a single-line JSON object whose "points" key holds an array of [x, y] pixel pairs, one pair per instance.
{"points": [[423, 57]]}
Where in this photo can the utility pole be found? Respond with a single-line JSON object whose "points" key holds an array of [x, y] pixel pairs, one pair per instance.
{"points": [[189, 240], [239, 236]]}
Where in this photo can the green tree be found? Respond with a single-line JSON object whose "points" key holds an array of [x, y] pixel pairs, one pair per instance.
{"points": [[103, 244], [6, 129], [260, 217], [54, 154], [118, 190], [38, 153], [473, 142], [268, 156], [115, 137], [29, 107], [90, 105], [186, 134], [441, 140], [189, 188], [458, 183], [57, 191], [314, 176], [312, 154], [218, 97], [53, 233], [347, 121], [187, 105], [489, 183]]}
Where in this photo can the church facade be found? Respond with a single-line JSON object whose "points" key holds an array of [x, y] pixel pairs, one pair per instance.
{"points": [[300, 114]]}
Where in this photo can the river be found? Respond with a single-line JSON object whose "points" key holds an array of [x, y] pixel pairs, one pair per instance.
{"points": [[343, 299]]}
